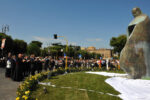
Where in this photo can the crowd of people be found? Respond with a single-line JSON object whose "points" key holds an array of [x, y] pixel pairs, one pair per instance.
{"points": [[20, 66]]}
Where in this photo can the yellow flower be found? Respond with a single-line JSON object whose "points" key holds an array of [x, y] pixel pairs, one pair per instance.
{"points": [[27, 83], [35, 78], [18, 93], [25, 97], [27, 92], [30, 79], [17, 98], [22, 87]]}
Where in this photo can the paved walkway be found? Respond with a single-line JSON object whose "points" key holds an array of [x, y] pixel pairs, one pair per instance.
{"points": [[8, 87]]}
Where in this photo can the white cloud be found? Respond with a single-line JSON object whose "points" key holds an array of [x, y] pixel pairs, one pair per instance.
{"points": [[93, 39], [98, 39], [73, 43], [42, 39], [49, 41]]}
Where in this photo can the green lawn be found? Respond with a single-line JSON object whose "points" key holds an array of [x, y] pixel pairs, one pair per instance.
{"points": [[76, 81]]}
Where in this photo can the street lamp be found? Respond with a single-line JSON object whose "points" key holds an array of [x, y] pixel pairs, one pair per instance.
{"points": [[55, 37], [5, 28]]}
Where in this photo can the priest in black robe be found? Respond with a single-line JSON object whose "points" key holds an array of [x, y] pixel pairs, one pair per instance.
{"points": [[18, 70]]}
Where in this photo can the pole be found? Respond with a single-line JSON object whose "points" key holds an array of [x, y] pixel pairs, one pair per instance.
{"points": [[2, 52], [107, 61], [99, 64], [66, 65]]}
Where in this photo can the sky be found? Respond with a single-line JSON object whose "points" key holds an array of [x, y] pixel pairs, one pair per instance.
{"points": [[83, 22]]}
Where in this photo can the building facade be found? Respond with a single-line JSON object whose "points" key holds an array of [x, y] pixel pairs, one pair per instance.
{"points": [[106, 53]]}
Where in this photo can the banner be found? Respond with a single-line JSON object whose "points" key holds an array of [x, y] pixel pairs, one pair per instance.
{"points": [[80, 56], [3, 43], [64, 55]]}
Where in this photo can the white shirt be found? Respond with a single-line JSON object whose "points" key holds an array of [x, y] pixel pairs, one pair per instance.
{"points": [[8, 64]]}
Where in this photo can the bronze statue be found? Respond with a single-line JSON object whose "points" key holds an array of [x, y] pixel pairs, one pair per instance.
{"points": [[136, 12], [135, 56]]}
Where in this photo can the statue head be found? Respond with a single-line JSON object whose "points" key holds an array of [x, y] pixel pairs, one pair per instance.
{"points": [[136, 11]]}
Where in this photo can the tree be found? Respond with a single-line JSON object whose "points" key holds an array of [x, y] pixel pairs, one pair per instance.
{"points": [[33, 49], [55, 51], [19, 46], [44, 52], [38, 43], [84, 54], [118, 43]]}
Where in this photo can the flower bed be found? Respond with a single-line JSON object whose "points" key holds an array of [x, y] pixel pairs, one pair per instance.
{"points": [[25, 88]]}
